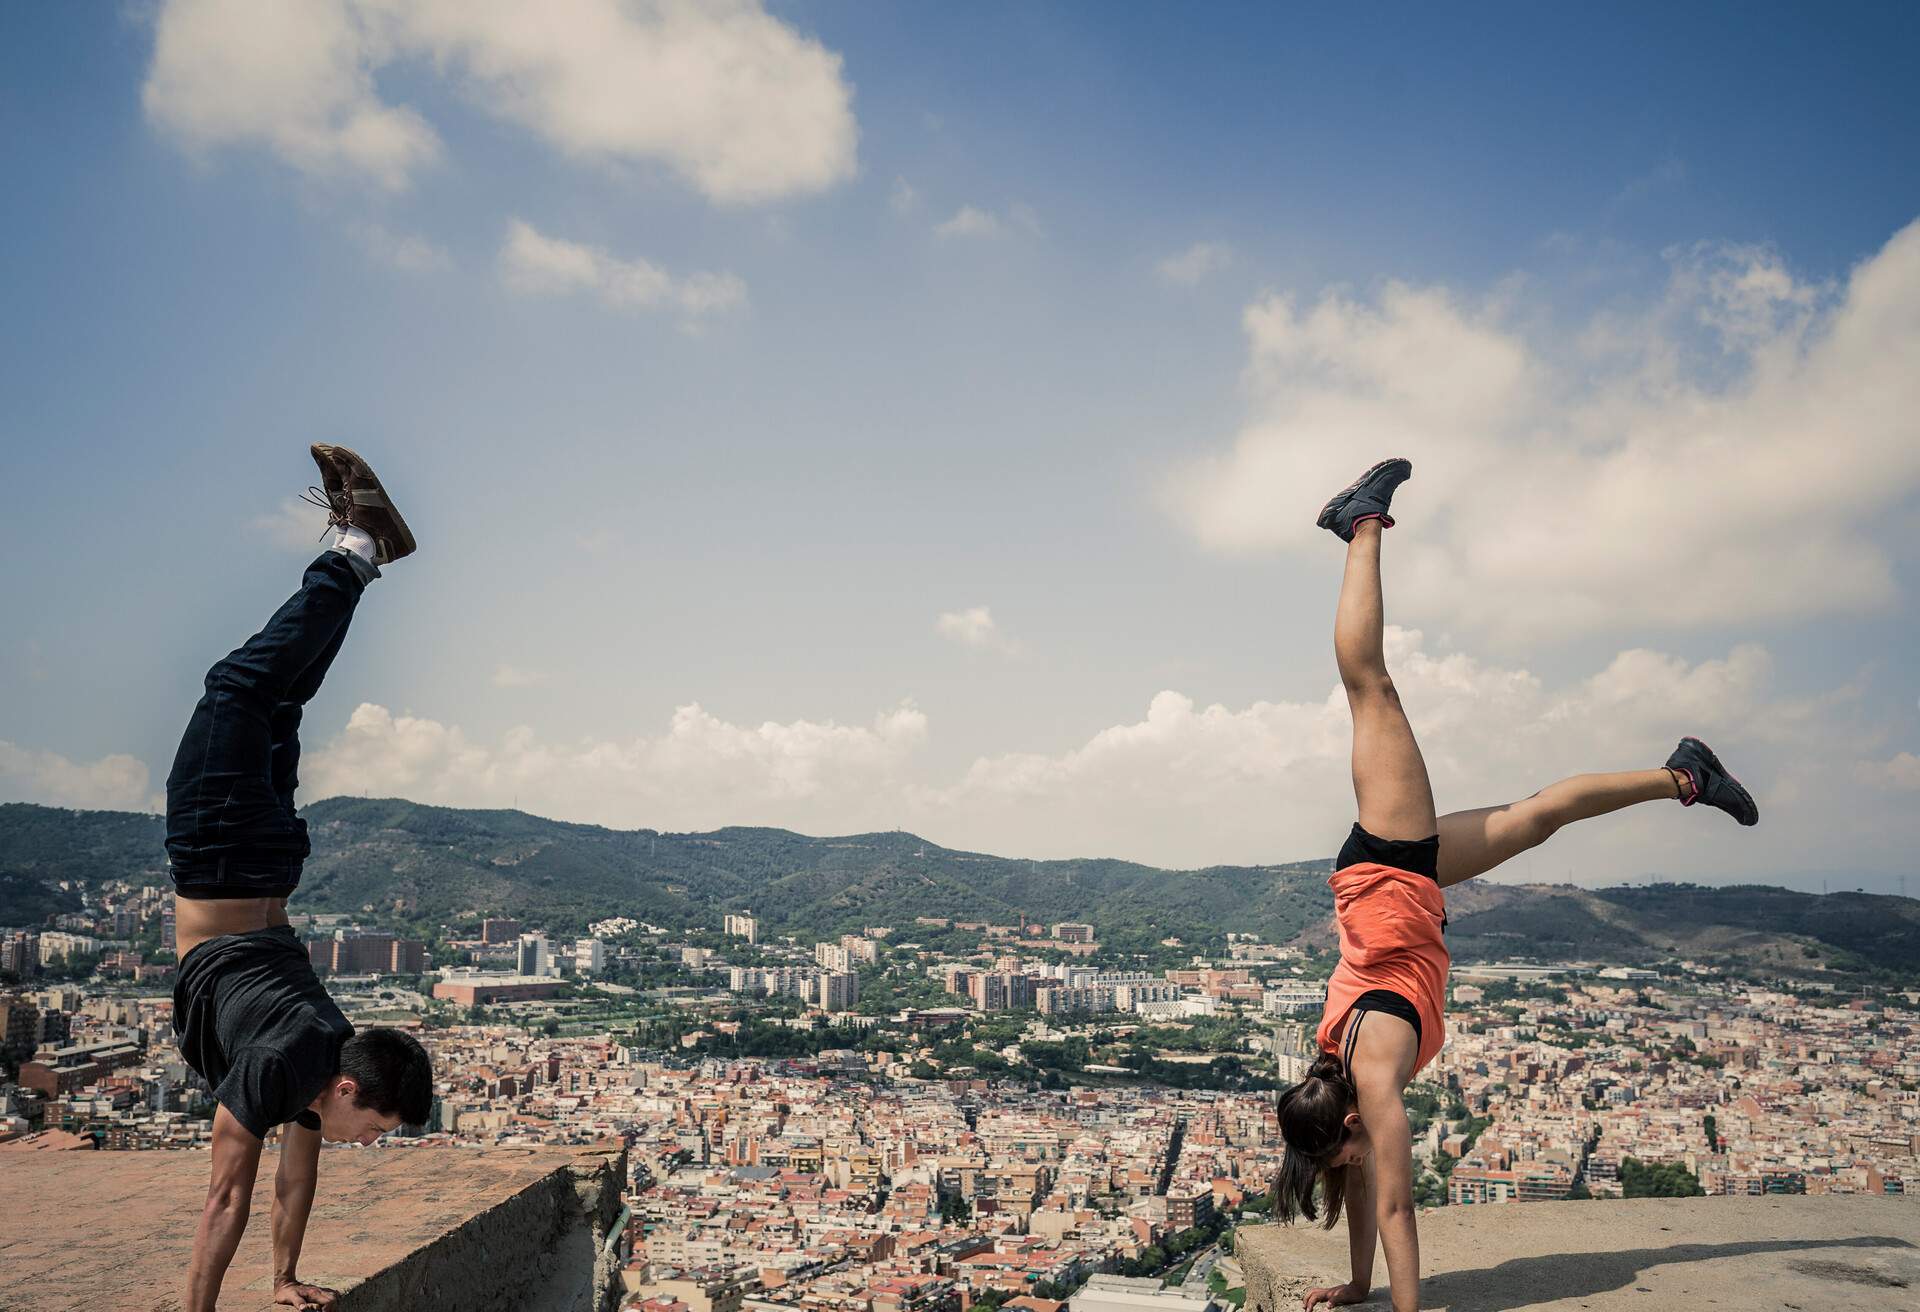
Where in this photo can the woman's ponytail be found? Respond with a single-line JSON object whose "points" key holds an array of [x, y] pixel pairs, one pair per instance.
{"points": [[1313, 1116]]}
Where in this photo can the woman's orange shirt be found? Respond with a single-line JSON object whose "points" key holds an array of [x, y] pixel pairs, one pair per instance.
{"points": [[1389, 922]]}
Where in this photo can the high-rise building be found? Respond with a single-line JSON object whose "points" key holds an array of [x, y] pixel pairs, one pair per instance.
{"points": [[833, 956], [19, 1029], [350, 953], [1190, 1206], [535, 956], [1059, 999], [56, 1027], [58, 945], [785, 981], [746, 979], [1001, 990], [1140, 993], [838, 992], [499, 930], [20, 953], [1019, 992], [589, 956], [862, 950], [362, 954], [1068, 931], [743, 925]]}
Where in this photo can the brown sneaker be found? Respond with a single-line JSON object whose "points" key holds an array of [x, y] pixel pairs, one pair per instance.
{"points": [[354, 497]]}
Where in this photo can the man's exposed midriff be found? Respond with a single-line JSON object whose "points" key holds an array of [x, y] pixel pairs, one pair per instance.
{"points": [[197, 919]]}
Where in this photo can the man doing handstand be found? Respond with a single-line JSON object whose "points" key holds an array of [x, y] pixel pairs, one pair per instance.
{"points": [[249, 1013]]}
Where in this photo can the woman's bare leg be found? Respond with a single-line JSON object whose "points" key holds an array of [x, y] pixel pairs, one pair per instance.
{"points": [[1389, 776], [1474, 842]]}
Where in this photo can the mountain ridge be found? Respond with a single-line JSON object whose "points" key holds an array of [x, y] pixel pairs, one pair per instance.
{"points": [[449, 865]]}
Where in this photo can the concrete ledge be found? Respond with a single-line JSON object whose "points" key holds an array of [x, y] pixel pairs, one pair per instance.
{"points": [[1733, 1253], [395, 1229]]}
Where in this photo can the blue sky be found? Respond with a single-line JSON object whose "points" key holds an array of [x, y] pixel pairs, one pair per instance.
{"points": [[932, 407]]}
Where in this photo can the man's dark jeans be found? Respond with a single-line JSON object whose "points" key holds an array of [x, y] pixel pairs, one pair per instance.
{"points": [[231, 826]]}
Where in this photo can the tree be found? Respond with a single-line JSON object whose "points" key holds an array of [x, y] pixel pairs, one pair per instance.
{"points": [[954, 1209], [1658, 1180], [1713, 1134]]}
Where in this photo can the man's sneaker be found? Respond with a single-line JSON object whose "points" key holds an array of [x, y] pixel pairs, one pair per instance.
{"points": [[1711, 782], [1367, 497], [355, 498]]}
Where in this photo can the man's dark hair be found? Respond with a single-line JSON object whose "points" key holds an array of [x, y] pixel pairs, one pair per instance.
{"points": [[393, 1073]]}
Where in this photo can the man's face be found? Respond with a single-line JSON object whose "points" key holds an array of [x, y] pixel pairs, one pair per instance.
{"points": [[342, 1120]]}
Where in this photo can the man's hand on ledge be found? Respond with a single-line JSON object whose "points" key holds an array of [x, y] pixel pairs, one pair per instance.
{"points": [[295, 1294], [1335, 1296]]}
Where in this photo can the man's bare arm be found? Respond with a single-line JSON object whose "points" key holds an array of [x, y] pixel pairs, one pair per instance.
{"points": [[236, 1160], [293, 1186]]}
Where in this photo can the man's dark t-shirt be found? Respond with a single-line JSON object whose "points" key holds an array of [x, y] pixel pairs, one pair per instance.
{"points": [[252, 1018]]}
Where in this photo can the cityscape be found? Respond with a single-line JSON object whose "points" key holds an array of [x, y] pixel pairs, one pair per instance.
{"points": [[727, 656], [955, 1114]]}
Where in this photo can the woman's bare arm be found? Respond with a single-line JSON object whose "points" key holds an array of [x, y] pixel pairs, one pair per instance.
{"points": [[1386, 1120], [1363, 1231]]}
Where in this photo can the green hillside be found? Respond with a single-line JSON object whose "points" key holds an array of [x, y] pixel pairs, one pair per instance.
{"points": [[445, 865], [449, 864]]}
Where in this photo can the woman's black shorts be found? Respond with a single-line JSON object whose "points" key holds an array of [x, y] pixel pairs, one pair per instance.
{"points": [[1420, 855]]}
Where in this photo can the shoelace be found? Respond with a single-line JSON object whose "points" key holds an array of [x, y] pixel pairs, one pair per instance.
{"points": [[339, 508]]}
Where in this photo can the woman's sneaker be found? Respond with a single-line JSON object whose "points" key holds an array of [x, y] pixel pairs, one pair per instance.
{"points": [[1711, 782], [1367, 497], [356, 499]]}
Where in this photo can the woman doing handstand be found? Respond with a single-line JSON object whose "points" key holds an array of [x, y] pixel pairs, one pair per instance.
{"points": [[1345, 1124]]}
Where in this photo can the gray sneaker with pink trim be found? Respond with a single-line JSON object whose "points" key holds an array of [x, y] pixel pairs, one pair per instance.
{"points": [[1710, 783], [1367, 497]]}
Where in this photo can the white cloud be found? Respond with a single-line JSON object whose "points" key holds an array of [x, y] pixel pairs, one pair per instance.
{"points": [[973, 627], [536, 264], [1900, 771], [972, 221], [741, 105], [1190, 784], [296, 78], [404, 251], [1724, 457], [512, 676], [599, 539], [293, 525], [969, 221], [903, 199], [112, 783], [701, 773], [1187, 268]]}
